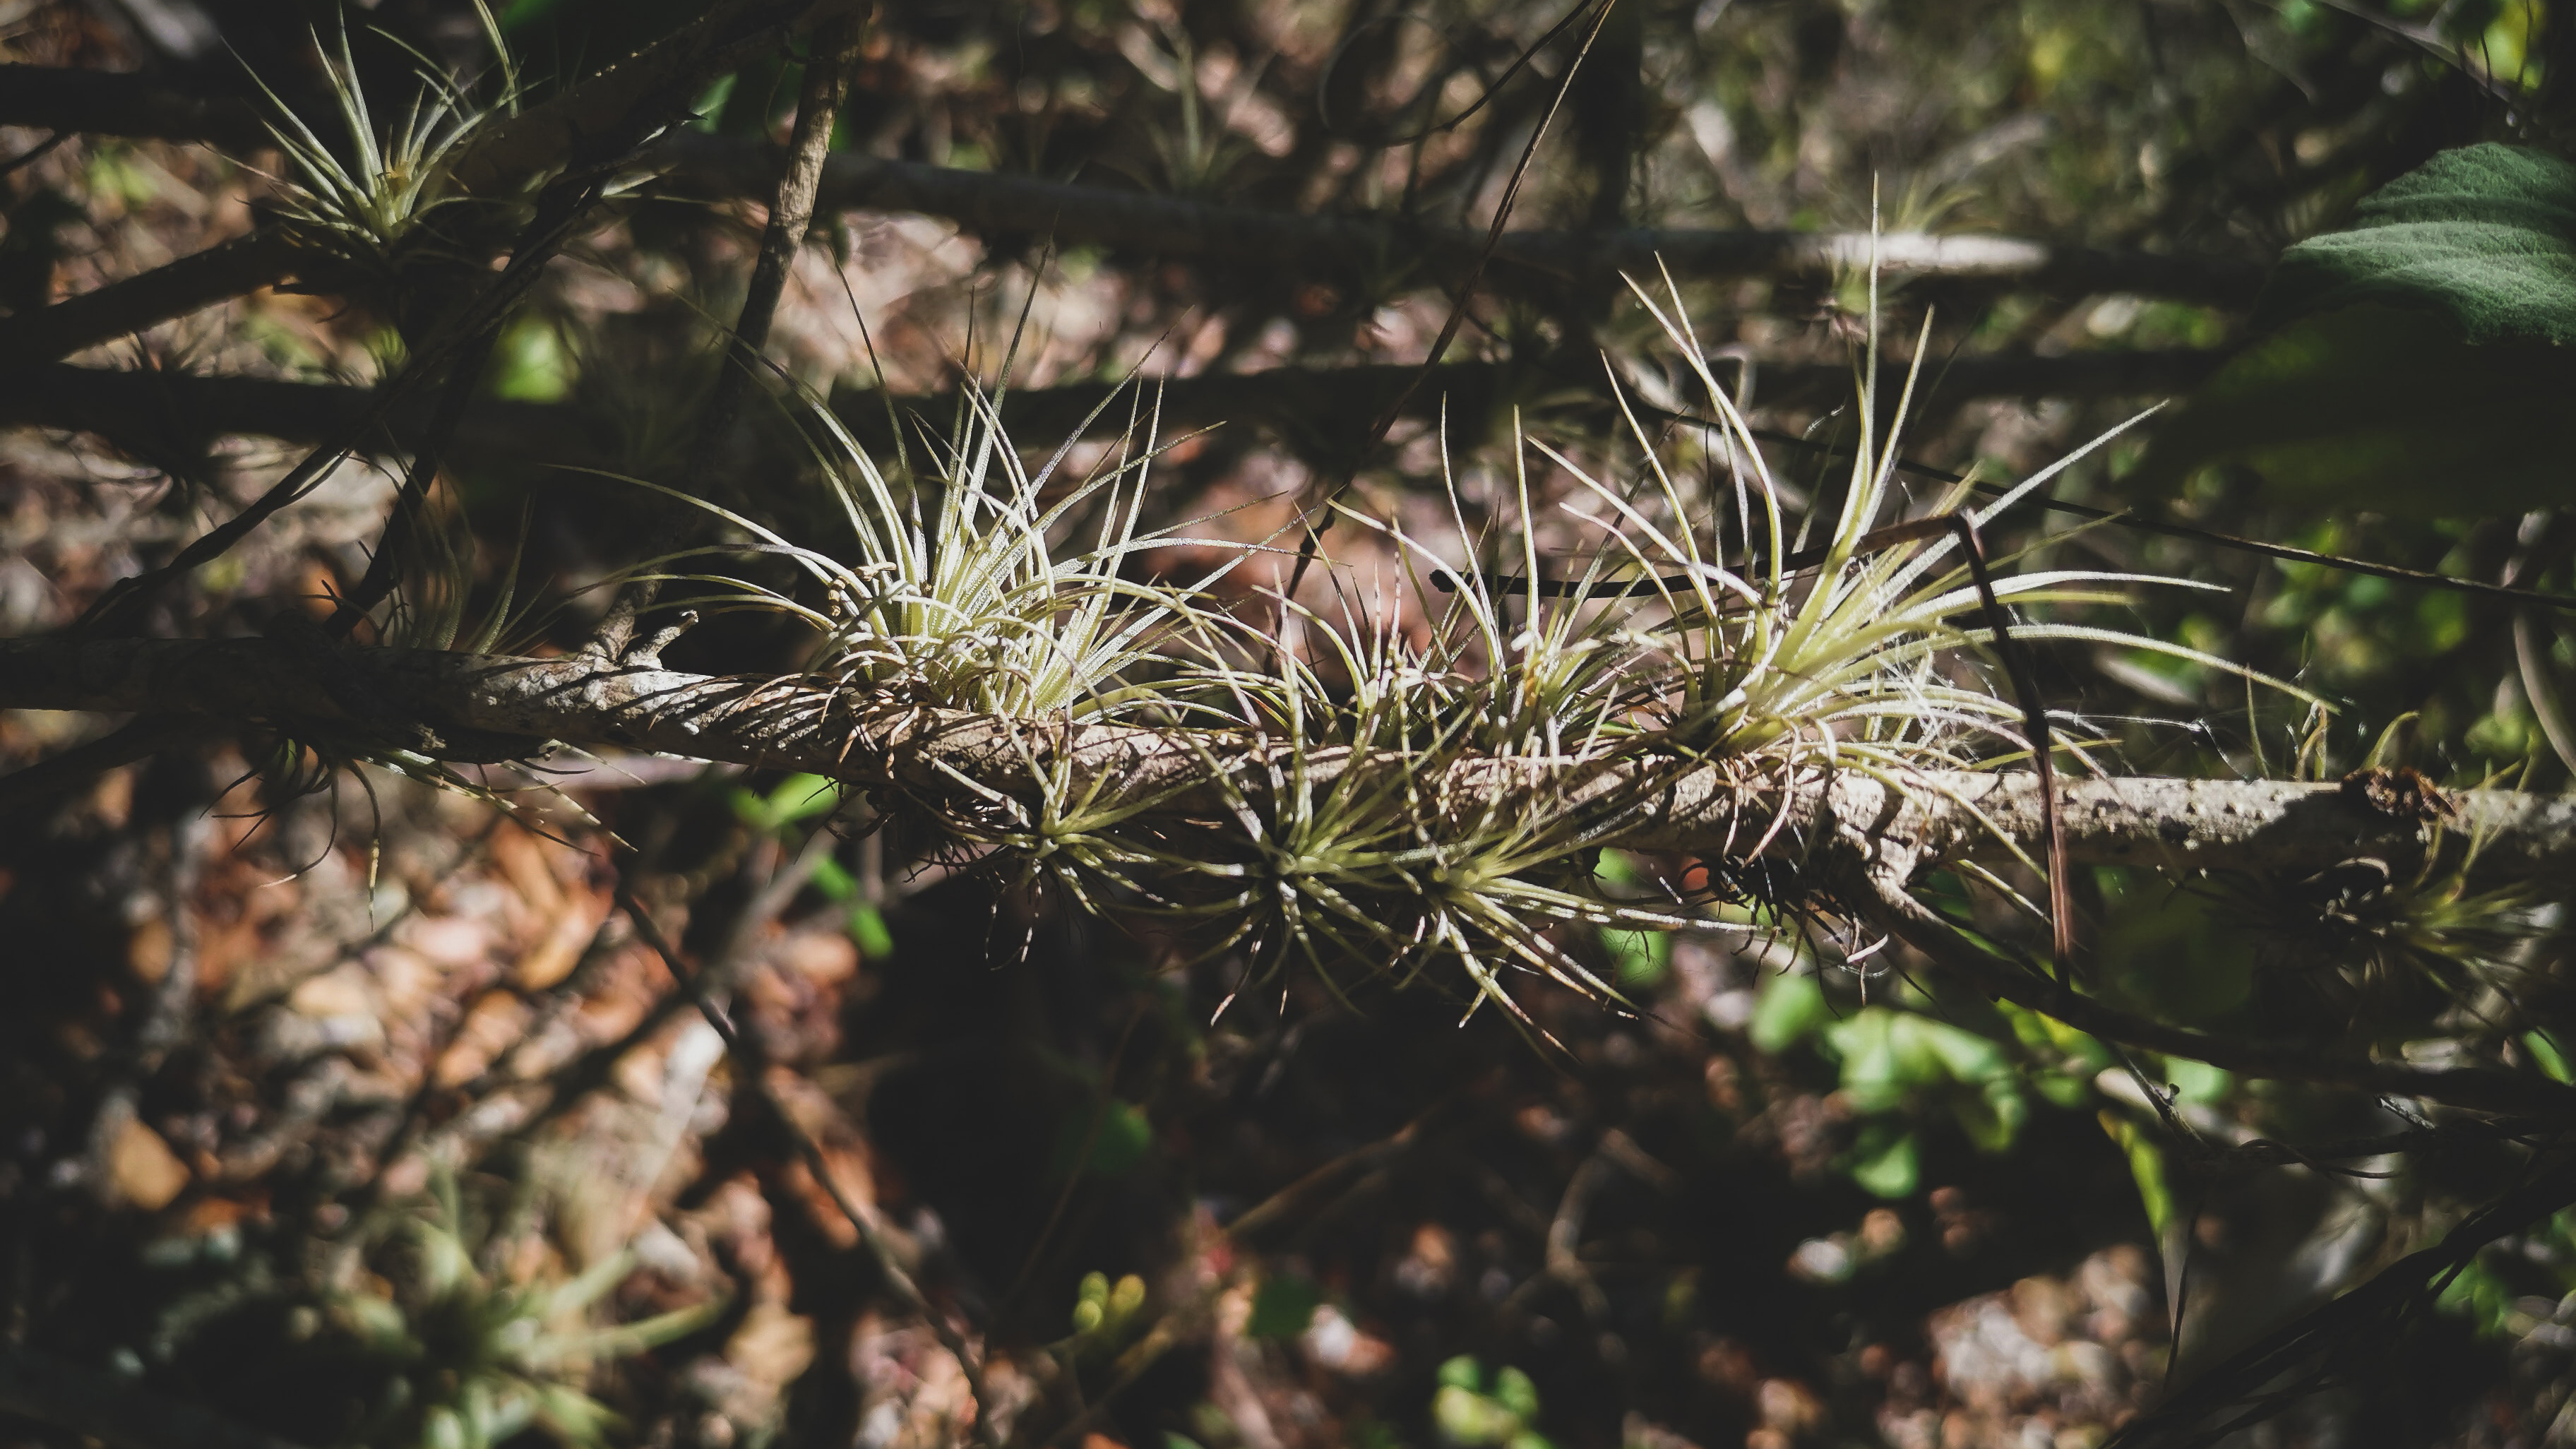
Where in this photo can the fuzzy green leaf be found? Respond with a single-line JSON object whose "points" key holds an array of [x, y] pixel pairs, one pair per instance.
{"points": [[2483, 237], [2417, 364]]}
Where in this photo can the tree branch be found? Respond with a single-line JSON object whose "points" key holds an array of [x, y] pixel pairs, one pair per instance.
{"points": [[2273, 826], [106, 103], [219, 273], [130, 405], [991, 204], [1869, 835]]}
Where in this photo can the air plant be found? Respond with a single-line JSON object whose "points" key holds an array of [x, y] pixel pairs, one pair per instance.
{"points": [[1446, 801], [440, 1324], [476, 1358], [1398, 797], [1388, 819], [368, 207], [952, 592], [2375, 945]]}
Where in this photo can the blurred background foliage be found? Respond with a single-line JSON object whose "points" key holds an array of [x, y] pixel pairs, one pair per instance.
{"points": [[1783, 1205]]}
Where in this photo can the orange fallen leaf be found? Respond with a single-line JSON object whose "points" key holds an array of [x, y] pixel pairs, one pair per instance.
{"points": [[143, 1170]]}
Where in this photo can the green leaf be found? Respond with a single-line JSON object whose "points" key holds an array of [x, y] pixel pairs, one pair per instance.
{"points": [[801, 797], [1791, 1006], [1465, 1417], [2483, 237], [1640, 958], [1283, 1307], [530, 362], [2418, 364], [1993, 1116], [833, 881], [1886, 1163], [1125, 1137], [2198, 1082], [1875, 1073], [868, 929], [2545, 1052], [2146, 1168]]}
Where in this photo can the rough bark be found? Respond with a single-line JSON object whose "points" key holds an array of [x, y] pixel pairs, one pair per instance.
{"points": [[2271, 826]]}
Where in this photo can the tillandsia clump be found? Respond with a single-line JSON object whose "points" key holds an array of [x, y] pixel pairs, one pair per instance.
{"points": [[2371, 949], [1386, 794], [370, 204], [445, 1322], [951, 593]]}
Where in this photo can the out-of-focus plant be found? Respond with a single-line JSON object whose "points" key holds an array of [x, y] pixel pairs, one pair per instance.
{"points": [[439, 1324], [472, 1354], [1471, 1408]]}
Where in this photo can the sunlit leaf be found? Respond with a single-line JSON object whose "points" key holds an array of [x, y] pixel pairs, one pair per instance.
{"points": [[2417, 364]]}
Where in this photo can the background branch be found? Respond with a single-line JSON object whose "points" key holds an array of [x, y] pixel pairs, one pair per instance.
{"points": [[995, 204], [131, 405]]}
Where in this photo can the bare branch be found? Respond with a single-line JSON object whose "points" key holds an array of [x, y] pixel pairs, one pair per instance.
{"points": [[127, 405], [219, 273], [993, 204], [106, 103]]}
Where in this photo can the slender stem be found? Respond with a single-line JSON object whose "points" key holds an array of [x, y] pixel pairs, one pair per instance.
{"points": [[791, 215]]}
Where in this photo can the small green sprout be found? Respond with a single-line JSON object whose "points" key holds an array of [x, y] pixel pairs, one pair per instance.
{"points": [[1102, 1311], [1469, 1410]]}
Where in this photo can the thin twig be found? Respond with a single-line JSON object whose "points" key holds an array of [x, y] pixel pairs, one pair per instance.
{"points": [[791, 215], [1320, 517], [50, 779]]}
